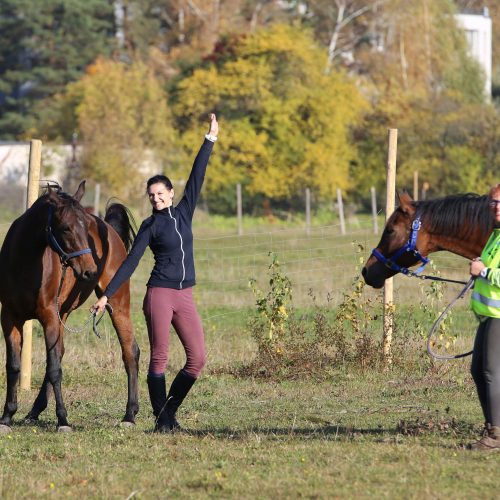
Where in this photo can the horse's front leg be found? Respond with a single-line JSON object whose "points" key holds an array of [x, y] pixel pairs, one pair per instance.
{"points": [[130, 355], [13, 342], [55, 351]]}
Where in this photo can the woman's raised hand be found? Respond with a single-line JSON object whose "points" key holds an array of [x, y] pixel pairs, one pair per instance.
{"points": [[214, 125]]}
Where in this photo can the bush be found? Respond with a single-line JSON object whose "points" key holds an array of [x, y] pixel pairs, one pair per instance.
{"points": [[315, 343]]}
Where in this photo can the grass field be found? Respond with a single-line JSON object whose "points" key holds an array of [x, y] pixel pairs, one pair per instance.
{"points": [[351, 433]]}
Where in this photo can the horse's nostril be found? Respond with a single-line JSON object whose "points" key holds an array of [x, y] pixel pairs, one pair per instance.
{"points": [[88, 275], [363, 272]]}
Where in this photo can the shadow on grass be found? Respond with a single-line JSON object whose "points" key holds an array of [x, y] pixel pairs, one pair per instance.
{"points": [[327, 431], [403, 430], [418, 428]]}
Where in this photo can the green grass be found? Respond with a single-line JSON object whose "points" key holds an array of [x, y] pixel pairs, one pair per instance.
{"points": [[249, 438], [351, 433], [396, 434]]}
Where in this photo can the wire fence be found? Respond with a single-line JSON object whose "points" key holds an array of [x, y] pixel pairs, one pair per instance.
{"points": [[321, 262]]}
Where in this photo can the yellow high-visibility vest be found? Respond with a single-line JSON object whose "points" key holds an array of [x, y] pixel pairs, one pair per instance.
{"points": [[485, 299]]}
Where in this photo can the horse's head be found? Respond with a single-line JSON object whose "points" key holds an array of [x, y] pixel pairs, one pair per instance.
{"points": [[394, 252], [68, 232]]}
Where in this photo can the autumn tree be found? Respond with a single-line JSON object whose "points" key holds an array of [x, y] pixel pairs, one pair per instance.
{"points": [[121, 115], [425, 84], [285, 122]]}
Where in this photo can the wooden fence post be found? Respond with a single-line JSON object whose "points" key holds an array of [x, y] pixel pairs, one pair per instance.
{"points": [[341, 211], [32, 194], [239, 209], [97, 199], [374, 210], [308, 211], [389, 209]]}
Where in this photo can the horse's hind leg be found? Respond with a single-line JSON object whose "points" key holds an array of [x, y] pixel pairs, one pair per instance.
{"points": [[130, 355], [13, 343], [41, 400]]}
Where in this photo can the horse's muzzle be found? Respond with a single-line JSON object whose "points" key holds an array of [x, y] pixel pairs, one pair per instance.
{"points": [[373, 279], [87, 276]]}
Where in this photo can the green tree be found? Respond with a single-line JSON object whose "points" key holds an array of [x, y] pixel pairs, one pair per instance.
{"points": [[425, 85], [285, 122], [45, 45]]}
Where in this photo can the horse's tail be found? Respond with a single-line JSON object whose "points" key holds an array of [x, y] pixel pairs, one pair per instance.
{"points": [[120, 218]]}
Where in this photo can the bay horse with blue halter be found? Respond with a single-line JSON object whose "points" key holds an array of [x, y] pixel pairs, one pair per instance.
{"points": [[54, 235], [460, 224]]}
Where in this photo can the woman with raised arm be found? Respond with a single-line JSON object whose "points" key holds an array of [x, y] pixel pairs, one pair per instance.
{"points": [[169, 295]]}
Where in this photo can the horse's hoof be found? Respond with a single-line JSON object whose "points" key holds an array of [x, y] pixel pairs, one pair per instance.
{"points": [[64, 428], [30, 420], [5, 429], [127, 425]]}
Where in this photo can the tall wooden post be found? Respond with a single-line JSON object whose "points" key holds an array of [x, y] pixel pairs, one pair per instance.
{"points": [[415, 185], [389, 209], [32, 195]]}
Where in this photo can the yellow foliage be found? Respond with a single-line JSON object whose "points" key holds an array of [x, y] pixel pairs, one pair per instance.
{"points": [[125, 124], [284, 123]]}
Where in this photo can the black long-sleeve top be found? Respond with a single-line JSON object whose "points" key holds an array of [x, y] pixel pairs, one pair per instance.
{"points": [[168, 233]]}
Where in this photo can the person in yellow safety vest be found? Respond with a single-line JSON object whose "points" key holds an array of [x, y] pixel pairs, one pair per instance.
{"points": [[485, 303]]}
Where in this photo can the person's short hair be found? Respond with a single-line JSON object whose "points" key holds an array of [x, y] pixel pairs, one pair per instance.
{"points": [[159, 178]]}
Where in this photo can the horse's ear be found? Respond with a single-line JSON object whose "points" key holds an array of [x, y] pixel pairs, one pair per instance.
{"points": [[80, 191], [406, 203], [52, 194]]}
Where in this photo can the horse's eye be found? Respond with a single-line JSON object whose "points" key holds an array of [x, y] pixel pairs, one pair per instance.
{"points": [[389, 230]]}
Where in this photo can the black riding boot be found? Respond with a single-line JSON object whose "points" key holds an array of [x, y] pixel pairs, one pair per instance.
{"points": [[158, 397], [178, 391]]}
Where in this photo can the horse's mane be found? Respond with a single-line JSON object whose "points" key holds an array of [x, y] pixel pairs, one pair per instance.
{"points": [[456, 214]]}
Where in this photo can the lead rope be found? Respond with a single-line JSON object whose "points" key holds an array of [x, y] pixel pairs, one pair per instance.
{"points": [[436, 324], [92, 317]]}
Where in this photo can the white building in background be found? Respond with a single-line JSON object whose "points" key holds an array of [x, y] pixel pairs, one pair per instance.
{"points": [[478, 31], [14, 162]]}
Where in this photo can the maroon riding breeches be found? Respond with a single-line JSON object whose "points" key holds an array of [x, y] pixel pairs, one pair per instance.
{"points": [[165, 306]]}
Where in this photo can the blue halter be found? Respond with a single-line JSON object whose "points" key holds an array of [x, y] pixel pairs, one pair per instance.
{"points": [[54, 244], [411, 246]]}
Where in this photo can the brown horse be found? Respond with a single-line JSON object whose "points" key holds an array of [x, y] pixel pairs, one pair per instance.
{"points": [[459, 224], [56, 234]]}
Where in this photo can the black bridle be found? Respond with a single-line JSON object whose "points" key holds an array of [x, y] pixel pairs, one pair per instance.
{"points": [[54, 244]]}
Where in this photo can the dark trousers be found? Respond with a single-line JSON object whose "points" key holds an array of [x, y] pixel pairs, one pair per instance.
{"points": [[165, 306], [485, 369]]}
